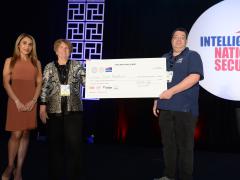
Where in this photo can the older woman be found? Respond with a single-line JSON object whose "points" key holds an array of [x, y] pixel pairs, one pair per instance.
{"points": [[61, 108]]}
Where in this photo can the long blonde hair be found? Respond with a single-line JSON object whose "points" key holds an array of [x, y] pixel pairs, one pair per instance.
{"points": [[16, 53]]}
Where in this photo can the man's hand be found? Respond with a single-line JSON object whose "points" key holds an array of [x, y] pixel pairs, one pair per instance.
{"points": [[167, 94], [155, 109]]}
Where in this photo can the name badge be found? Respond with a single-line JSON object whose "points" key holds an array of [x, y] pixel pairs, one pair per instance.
{"points": [[169, 76], [65, 90]]}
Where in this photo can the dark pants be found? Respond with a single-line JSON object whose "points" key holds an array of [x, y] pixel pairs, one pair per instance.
{"points": [[65, 146], [177, 131]]}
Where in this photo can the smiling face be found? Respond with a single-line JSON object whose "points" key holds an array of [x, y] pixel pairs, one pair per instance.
{"points": [[25, 46], [63, 51], [179, 41]]}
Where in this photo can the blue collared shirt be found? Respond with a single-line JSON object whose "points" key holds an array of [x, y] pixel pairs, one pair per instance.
{"points": [[186, 63]]}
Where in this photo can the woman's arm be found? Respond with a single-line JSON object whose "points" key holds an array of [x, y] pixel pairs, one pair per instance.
{"points": [[38, 82], [31, 103], [7, 85], [82, 74], [44, 93]]}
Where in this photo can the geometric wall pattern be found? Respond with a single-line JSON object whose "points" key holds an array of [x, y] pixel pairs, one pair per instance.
{"points": [[85, 21]]}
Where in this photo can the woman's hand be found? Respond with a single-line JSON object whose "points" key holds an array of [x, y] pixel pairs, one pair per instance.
{"points": [[20, 106], [29, 106], [43, 114]]}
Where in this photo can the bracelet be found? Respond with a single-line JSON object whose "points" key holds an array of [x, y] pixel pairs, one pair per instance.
{"points": [[17, 100]]}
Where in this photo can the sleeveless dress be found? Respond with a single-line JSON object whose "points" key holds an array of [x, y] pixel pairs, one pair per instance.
{"points": [[23, 83]]}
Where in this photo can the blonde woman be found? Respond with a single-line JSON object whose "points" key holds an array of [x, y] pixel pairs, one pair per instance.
{"points": [[22, 80]]}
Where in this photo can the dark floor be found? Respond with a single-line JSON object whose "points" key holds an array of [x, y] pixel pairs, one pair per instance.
{"points": [[125, 162]]}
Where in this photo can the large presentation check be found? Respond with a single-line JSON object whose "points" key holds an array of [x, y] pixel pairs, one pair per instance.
{"points": [[125, 78]]}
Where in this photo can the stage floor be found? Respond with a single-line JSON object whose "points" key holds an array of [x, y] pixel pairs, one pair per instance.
{"points": [[127, 162]]}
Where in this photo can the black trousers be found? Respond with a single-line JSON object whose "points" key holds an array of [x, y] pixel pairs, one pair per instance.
{"points": [[177, 131], [65, 140]]}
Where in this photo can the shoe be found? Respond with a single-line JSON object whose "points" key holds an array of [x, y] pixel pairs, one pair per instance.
{"points": [[7, 174], [163, 178], [16, 176]]}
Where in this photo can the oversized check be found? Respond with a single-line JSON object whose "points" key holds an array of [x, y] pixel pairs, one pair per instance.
{"points": [[125, 78]]}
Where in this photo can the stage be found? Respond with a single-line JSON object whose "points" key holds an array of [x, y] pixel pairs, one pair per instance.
{"points": [[128, 162]]}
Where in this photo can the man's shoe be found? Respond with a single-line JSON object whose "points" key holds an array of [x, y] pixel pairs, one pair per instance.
{"points": [[163, 178]]}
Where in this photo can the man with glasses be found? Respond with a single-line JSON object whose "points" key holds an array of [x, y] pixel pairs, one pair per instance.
{"points": [[177, 107]]}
